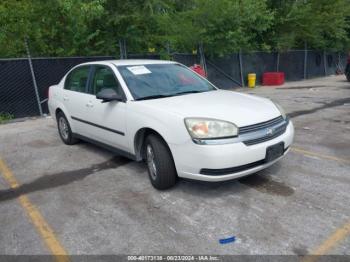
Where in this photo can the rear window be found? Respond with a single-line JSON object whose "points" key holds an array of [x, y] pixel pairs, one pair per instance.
{"points": [[77, 79]]}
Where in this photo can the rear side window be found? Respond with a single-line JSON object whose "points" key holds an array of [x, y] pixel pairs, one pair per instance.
{"points": [[77, 79]]}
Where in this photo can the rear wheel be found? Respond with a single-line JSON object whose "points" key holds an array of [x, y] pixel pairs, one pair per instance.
{"points": [[64, 130], [160, 163], [347, 72]]}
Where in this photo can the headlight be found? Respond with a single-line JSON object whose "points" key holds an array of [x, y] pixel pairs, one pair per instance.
{"points": [[204, 128], [284, 115]]}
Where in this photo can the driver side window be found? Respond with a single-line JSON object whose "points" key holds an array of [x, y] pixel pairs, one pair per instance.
{"points": [[104, 78]]}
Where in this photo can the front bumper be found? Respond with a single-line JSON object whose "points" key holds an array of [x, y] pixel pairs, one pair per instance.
{"points": [[191, 158]]}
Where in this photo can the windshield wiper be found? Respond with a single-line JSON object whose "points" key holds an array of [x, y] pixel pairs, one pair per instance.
{"points": [[170, 95], [187, 92], [152, 97]]}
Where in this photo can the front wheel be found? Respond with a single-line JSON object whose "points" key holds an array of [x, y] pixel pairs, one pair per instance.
{"points": [[160, 163]]}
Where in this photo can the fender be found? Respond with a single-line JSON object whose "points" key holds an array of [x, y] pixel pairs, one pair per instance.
{"points": [[54, 104], [164, 123]]}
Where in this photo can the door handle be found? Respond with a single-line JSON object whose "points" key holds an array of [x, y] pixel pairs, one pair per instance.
{"points": [[65, 98], [89, 104]]}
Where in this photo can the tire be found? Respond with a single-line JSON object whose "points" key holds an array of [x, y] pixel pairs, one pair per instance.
{"points": [[347, 72], [64, 130], [161, 167]]}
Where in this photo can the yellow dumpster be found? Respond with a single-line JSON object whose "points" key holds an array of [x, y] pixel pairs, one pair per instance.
{"points": [[251, 80]]}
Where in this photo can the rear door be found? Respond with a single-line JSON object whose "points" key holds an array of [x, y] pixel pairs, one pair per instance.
{"points": [[75, 97], [108, 121]]}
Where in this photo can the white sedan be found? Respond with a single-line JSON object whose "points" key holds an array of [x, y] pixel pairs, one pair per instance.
{"points": [[175, 120]]}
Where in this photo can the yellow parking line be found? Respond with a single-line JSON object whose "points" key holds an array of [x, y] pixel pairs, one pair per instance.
{"points": [[36, 218], [309, 153], [342, 232], [334, 239]]}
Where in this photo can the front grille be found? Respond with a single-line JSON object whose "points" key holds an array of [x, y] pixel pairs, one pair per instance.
{"points": [[277, 133], [262, 132], [262, 125]]}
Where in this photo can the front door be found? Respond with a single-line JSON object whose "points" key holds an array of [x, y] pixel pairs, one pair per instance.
{"points": [[107, 119]]}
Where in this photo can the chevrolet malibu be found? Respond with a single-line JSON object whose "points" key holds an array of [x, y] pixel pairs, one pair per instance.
{"points": [[179, 123]]}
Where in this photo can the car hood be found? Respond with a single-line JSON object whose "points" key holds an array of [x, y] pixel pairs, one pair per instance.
{"points": [[240, 109]]}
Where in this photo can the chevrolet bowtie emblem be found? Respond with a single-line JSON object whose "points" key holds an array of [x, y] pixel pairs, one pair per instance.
{"points": [[269, 132]]}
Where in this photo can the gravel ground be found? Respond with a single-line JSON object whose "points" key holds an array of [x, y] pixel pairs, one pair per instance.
{"points": [[100, 203]]}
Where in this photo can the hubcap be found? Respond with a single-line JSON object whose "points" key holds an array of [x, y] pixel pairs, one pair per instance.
{"points": [[150, 162], [63, 127]]}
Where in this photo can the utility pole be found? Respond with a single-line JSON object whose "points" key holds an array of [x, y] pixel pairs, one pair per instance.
{"points": [[33, 77], [122, 48], [202, 58], [241, 67], [305, 60]]}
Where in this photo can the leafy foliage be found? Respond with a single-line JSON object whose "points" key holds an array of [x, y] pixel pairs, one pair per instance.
{"points": [[321, 23], [94, 27], [4, 117]]}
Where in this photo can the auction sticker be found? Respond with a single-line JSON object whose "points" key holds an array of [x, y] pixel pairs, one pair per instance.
{"points": [[139, 70]]}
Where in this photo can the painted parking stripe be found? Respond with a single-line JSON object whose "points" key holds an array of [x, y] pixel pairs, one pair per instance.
{"points": [[309, 153], [43, 228], [331, 242], [342, 232]]}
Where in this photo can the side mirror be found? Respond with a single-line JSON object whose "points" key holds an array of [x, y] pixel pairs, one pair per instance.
{"points": [[108, 95]]}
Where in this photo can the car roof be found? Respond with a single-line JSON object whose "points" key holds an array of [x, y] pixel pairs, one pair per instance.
{"points": [[123, 62]]}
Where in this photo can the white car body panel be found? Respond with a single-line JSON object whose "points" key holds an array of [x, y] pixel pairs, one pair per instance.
{"points": [[166, 117], [238, 108], [110, 115], [75, 103]]}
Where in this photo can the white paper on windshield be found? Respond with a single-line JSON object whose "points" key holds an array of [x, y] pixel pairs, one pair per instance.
{"points": [[139, 70]]}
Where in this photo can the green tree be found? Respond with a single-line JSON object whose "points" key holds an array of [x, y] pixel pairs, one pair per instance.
{"points": [[321, 23], [53, 28], [223, 26], [93, 27]]}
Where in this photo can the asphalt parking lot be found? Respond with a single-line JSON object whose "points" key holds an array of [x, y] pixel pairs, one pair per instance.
{"points": [[84, 200]]}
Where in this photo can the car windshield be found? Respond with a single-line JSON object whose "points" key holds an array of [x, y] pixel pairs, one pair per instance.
{"points": [[162, 80]]}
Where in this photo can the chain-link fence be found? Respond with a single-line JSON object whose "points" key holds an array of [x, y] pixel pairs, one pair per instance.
{"points": [[24, 89], [232, 70], [17, 89]]}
